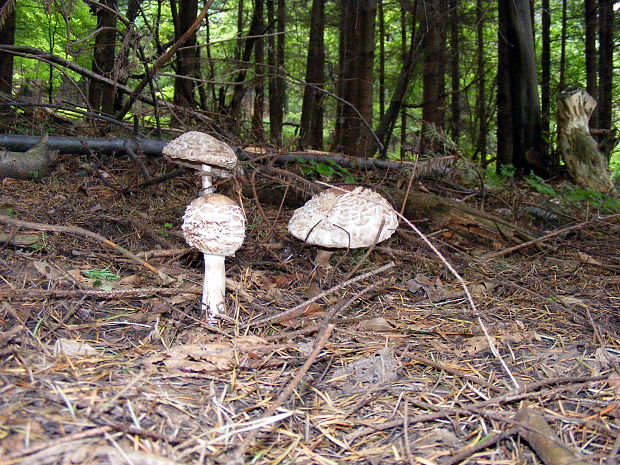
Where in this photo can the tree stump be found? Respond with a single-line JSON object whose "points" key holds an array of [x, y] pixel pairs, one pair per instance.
{"points": [[587, 166]]}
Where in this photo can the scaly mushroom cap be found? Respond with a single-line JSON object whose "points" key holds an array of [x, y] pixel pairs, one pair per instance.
{"points": [[214, 224], [196, 148], [344, 217]]}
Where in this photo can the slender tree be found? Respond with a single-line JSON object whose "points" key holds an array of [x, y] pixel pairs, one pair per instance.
{"points": [[258, 130], [381, 17], [455, 71], [101, 95], [504, 97], [433, 105], [605, 62], [481, 103], [311, 124], [545, 74], [187, 64], [7, 37], [562, 83], [523, 82], [355, 81], [590, 17], [389, 120], [276, 65]]}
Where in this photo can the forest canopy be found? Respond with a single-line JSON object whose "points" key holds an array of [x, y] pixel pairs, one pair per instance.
{"points": [[396, 80]]}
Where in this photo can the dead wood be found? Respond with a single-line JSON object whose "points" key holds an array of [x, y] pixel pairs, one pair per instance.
{"points": [[436, 212], [37, 161], [543, 440], [586, 165]]}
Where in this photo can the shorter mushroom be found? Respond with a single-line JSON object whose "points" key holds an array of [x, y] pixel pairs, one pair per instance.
{"points": [[202, 152], [215, 225], [343, 217]]}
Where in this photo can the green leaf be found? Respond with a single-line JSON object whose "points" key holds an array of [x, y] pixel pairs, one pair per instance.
{"points": [[100, 274]]}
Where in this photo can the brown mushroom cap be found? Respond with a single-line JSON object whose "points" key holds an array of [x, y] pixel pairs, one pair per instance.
{"points": [[195, 148], [344, 217], [214, 224]]}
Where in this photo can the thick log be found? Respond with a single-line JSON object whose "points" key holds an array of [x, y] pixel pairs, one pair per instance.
{"points": [[153, 147], [586, 165], [35, 162]]}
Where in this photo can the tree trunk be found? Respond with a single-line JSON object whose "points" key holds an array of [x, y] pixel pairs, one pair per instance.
{"points": [[545, 75], [455, 72], [590, 16], [240, 87], [605, 62], [433, 93], [524, 100], [101, 95], [586, 164], [276, 63], [504, 115], [562, 83], [187, 65], [258, 130], [388, 122], [7, 37], [481, 105], [352, 134], [311, 124], [381, 15]]}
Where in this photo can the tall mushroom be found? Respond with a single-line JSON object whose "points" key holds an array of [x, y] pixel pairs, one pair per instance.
{"points": [[215, 225], [202, 152], [343, 217]]}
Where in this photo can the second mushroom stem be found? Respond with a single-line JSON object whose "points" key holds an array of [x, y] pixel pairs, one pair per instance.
{"points": [[206, 174], [214, 287]]}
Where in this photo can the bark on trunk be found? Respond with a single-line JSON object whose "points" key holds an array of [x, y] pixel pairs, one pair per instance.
{"points": [[590, 50], [605, 62], [276, 82], [585, 163], [433, 109], [187, 56], [101, 95], [7, 36], [354, 109], [311, 124]]}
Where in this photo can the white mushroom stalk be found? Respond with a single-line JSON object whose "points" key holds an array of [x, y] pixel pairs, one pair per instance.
{"points": [[215, 225], [205, 153], [343, 217]]}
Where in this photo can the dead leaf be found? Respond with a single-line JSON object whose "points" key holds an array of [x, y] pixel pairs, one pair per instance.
{"points": [[208, 357], [585, 258], [74, 348], [476, 344], [375, 324], [434, 289], [614, 383], [481, 289]]}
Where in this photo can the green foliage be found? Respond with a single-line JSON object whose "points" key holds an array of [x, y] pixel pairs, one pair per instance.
{"points": [[328, 169], [101, 274], [575, 196]]}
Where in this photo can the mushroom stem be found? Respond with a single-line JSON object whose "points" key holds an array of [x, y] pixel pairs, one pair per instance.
{"points": [[214, 287], [206, 175], [322, 257]]}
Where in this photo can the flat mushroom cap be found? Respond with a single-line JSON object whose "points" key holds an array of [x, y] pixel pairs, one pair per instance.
{"points": [[344, 217], [196, 148], [214, 224]]}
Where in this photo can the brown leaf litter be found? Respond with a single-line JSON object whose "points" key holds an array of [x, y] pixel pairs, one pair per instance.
{"points": [[387, 366]]}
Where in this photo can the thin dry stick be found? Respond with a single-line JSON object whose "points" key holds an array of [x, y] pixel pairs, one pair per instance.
{"points": [[321, 340], [470, 299], [85, 232], [453, 371], [557, 232], [300, 308], [467, 451]]}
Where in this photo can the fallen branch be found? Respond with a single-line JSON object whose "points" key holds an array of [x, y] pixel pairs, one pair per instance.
{"points": [[537, 432], [93, 235]]}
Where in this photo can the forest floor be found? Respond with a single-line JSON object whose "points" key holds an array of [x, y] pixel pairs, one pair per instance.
{"points": [[103, 362]]}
